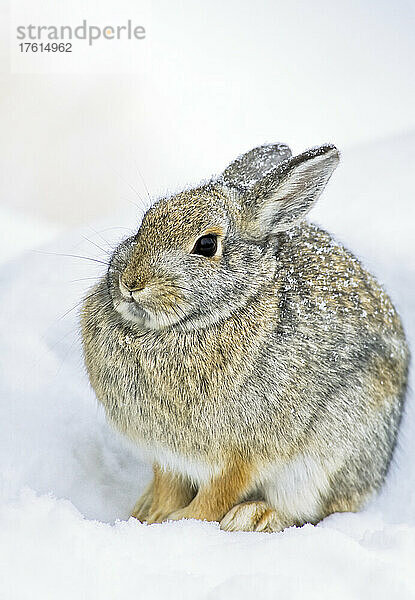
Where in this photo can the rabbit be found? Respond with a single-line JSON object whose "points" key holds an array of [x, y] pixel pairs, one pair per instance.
{"points": [[252, 358]]}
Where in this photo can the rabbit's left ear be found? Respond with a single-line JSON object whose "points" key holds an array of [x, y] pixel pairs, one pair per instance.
{"points": [[285, 195], [245, 171]]}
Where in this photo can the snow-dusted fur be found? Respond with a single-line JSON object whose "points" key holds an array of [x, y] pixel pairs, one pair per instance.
{"points": [[266, 383]]}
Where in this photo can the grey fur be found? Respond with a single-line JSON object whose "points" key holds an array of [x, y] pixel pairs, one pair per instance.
{"points": [[283, 351]]}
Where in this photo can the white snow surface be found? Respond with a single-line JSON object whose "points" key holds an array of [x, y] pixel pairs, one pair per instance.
{"points": [[68, 481]]}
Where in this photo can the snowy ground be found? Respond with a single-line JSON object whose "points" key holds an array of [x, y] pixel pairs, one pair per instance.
{"points": [[68, 481]]}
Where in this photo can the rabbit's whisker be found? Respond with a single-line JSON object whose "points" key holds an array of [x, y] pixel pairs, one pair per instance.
{"points": [[96, 292], [72, 256], [82, 279], [101, 236], [143, 182], [96, 245]]}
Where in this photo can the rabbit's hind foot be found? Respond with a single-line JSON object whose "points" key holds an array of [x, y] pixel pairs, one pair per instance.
{"points": [[252, 516]]}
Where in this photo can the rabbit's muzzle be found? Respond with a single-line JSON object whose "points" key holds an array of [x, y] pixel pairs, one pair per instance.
{"points": [[128, 287]]}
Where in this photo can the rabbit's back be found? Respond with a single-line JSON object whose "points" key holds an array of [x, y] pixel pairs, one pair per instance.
{"points": [[342, 364]]}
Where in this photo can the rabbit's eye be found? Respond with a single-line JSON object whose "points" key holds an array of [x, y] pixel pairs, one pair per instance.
{"points": [[206, 246]]}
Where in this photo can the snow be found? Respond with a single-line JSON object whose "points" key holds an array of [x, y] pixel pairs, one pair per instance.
{"points": [[68, 481]]}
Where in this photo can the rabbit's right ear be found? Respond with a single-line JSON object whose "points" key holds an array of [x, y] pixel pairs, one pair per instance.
{"points": [[249, 168], [284, 195]]}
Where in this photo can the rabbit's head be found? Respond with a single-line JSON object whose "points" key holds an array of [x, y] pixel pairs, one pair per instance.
{"points": [[202, 254]]}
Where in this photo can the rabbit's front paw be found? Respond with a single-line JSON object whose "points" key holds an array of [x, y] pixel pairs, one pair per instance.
{"points": [[166, 493], [252, 516], [143, 504]]}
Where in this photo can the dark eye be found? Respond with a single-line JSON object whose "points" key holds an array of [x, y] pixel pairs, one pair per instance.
{"points": [[206, 246]]}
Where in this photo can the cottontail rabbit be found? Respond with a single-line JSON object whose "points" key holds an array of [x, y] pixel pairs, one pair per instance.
{"points": [[254, 360]]}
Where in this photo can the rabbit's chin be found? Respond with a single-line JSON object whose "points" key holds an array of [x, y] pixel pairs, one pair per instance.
{"points": [[131, 312], [143, 318]]}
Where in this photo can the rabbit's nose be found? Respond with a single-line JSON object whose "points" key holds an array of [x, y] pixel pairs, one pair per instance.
{"points": [[130, 285]]}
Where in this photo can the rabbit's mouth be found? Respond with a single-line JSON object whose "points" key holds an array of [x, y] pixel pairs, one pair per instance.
{"points": [[156, 305], [130, 311], [148, 318]]}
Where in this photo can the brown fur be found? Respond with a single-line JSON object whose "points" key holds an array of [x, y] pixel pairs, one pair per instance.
{"points": [[168, 493], [217, 496]]}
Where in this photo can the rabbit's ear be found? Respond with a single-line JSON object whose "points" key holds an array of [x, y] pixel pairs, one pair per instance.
{"points": [[249, 168], [285, 195]]}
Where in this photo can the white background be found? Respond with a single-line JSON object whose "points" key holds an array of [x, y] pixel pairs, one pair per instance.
{"points": [[211, 80]]}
